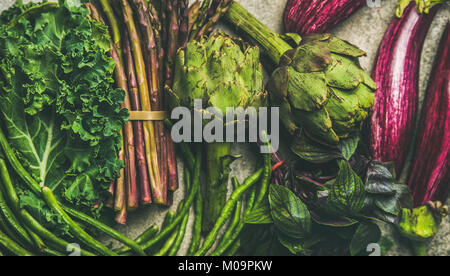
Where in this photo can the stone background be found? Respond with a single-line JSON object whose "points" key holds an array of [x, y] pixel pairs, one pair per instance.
{"points": [[365, 29]]}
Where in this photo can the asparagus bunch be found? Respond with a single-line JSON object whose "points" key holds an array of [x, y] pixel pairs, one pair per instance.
{"points": [[145, 38]]}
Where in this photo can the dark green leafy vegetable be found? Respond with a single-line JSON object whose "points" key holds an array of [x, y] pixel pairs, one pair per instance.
{"points": [[60, 111], [261, 214], [289, 213], [384, 197], [347, 194], [365, 234], [348, 146]]}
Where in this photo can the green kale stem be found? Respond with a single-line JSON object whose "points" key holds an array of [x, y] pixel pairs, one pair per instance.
{"points": [[17, 165], [243, 20]]}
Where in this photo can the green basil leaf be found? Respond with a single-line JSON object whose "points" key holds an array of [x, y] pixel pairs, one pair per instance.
{"points": [[348, 146], [365, 234], [259, 215], [289, 213], [294, 246], [347, 195], [312, 152], [379, 179]]}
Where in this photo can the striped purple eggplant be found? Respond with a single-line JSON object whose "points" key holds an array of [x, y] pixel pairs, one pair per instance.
{"points": [[430, 173], [317, 16], [396, 73]]}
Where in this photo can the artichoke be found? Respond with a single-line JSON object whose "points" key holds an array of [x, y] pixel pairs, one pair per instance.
{"points": [[323, 93], [421, 224], [320, 87], [223, 72]]}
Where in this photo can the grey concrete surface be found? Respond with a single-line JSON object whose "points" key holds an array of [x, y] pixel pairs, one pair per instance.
{"points": [[365, 29]]}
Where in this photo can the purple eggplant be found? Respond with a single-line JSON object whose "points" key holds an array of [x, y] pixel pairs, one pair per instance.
{"points": [[396, 73], [317, 16], [429, 178]]}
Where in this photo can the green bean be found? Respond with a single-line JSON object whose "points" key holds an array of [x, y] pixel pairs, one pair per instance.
{"points": [[167, 245], [237, 213], [234, 248], [197, 227], [12, 246], [170, 215], [186, 207], [145, 236], [227, 210], [170, 242], [13, 200], [148, 234], [75, 229], [17, 165], [226, 243], [267, 174], [181, 231], [180, 236], [105, 229], [8, 186], [47, 235], [37, 241], [14, 222], [52, 252], [7, 229]]}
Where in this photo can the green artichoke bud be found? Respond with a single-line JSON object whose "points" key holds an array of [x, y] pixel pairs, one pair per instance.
{"points": [[323, 93], [223, 72], [421, 224], [321, 88], [220, 70]]}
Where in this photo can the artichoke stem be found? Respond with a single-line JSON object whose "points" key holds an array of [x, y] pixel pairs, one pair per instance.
{"points": [[243, 20], [420, 248], [216, 187]]}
